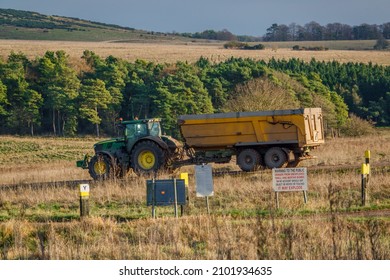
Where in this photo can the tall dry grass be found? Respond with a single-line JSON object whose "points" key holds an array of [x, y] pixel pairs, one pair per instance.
{"points": [[350, 150], [198, 237], [244, 222], [43, 223]]}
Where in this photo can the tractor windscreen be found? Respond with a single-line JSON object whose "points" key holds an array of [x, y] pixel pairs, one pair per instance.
{"points": [[154, 129]]}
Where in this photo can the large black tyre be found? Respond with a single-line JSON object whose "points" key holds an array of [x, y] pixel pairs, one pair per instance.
{"points": [[100, 167], [249, 160], [275, 157], [147, 157]]}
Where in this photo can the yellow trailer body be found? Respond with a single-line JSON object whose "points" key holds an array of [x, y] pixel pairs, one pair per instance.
{"points": [[302, 126], [295, 131]]}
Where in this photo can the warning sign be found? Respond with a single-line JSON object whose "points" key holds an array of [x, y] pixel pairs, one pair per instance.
{"points": [[204, 180], [289, 179]]}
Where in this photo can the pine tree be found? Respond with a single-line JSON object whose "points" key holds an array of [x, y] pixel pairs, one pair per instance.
{"points": [[93, 97], [59, 85], [3, 99]]}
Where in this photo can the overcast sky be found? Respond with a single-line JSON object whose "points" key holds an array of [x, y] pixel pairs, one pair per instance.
{"points": [[241, 17]]}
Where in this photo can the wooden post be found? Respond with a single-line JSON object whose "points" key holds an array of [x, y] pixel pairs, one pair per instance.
{"points": [[277, 199], [207, 205], [84, 200], [305, 197]]}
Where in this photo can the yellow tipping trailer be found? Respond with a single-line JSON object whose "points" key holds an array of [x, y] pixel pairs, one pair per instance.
{"points": [[264, 138]]}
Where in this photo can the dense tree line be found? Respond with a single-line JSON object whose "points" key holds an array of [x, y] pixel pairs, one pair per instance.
{"points": [[223, 35], [365, 88], [47, 95], [313, 31]]}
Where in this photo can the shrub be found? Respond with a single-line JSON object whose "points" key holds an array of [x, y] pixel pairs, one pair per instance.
{"points": [[296, 48], [242, 46], [255, 47], [317, 48], [260, 94], [234, 45], [381, 44], [356, 126]]}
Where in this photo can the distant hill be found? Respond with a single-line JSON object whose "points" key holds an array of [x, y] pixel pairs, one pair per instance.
{"points": [[16, 24]]}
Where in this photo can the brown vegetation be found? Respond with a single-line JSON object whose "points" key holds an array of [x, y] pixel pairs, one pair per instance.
{"points": [[260, 95], [43, 223]]}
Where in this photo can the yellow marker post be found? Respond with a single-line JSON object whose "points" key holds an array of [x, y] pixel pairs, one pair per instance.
{"points": [[365, 172], [367, 155], [84, 200], [365, 169], [365, 176], [184, 176]]}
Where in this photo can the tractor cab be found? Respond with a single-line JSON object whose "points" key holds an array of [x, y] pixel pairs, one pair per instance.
{"points": [[137, 129], [141, 128]]}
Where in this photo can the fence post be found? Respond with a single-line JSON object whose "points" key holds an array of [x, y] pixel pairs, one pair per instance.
{"points": [[84, 200], [364, 172], [367, 156]]}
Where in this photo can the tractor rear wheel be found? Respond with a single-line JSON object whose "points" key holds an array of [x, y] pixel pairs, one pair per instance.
{"points": [[275, 157], [100, 167], [147, 157], [249, 160]]}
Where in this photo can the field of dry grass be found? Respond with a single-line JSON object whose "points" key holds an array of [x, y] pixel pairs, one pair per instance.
{"points": [[171, 52], [28, 160], [43, 223]]}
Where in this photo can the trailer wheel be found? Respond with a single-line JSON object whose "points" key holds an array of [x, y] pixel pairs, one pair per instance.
{"points": [[100, 167], [147, 157], [275, 157], [248, 160]]}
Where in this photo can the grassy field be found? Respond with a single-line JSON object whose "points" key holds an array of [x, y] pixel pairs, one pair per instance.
{"points": [[90, 34], [177, 50], [43, 223], [358, 45], [34, 26]]}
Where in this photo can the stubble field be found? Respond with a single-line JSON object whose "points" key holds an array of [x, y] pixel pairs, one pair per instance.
{"points": [[171, 52]]}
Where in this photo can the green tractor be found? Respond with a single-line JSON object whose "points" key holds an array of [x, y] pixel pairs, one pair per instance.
{"points": [[142, 148]]}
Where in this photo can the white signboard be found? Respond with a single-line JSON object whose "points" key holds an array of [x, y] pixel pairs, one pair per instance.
{"points": [[84, 188], [289, 179], [204, 180]]}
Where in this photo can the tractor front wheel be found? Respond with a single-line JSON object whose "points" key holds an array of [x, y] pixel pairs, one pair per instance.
{"points": [[100, 167]]}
